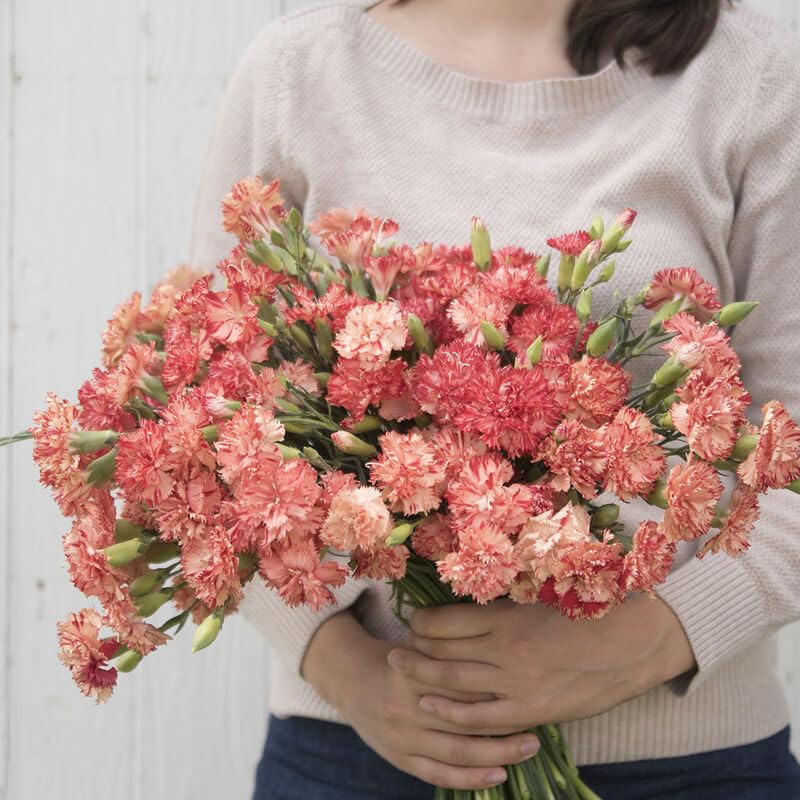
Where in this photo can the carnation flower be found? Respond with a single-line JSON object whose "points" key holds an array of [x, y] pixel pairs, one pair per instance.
{"points": [[479, 497], [355, 245], [355, 387], [251, 209], [384, 269], [698, 344], [183, 421], [370, 334], [99, 409], [434, 538], [145, 468], [483, 567], [211, 567], [301, 375], [599, 389], [191, 507], [693, 491], [576, 455], [452, 448], [246, 441], [234, 372], [296, 572], [516, 278], [709, 423], [670, 284], [184, 351], [135, 372], [253, 280], [448, 272], [407, 472], [121, 329], [649, 560], [334, 220], [231, 316], [86, 654], [558, 325], [739, 521], [570, 244], [356, 518], [334, 482], [380, 564], [478, 305], [775, 462], [635, 461], [133, 632]]}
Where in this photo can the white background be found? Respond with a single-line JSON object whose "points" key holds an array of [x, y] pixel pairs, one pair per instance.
{"points": [[106, 107]]}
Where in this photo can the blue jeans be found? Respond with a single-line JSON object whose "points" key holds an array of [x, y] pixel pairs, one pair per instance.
{"points": [[307, 759]]}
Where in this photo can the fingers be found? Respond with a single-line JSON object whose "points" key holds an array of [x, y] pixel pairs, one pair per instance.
{"points": [[457, 621], [471, 649], [450, 777], [478, 751], [457, 676], [476, 718]]}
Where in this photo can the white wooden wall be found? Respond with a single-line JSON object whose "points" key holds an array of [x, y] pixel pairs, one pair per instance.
{"points": [[105, 112]]}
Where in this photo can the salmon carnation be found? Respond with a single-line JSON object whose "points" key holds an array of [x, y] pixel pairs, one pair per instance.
{"points": [[570, 244], [234, 372], [99, 409], [134, 633], [135, 375], [355, 387], [183, 421], [693, 491], [479, 497], [354, 245], [231, 316], [357, 518], [380, 564], [649, 560], [121, 329], [384, 269], [87, 655], [145, 469], [483, 567], [558, 325], [671, 284], [703, 345], [635, 460], [576, 455], [191, 507], [408, 473], [296, 572], [477, 305], [775, 462], [740, 519], [334, 220], [370, 334], [599, 389], [709, 424], [453, 448], [301, 375], [434, 538], [211, 567], [247, 441], [516, 278], [334, 482], [251, 209]]}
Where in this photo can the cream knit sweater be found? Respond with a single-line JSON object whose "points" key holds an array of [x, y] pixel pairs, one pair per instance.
{"points": [[347, 113]]}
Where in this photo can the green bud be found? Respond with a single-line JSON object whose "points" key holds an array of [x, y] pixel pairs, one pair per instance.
{"points": [[313, 457], [295, 218], [534, 351], [123, 553], [91, 441], [124, 530], [605, 516], [624, 245], [264, 255], [734, 313], [565, 266], [665, 421], [419, 335], [492, 336], [153, 387], [657, 396], [267, 312], [399, 534], [102, 469], [322, 378], [288, 453], [607, 271], [300, 335], [423, 420], [665, 312], [299, 428], [210, 433], [583, 307], [287, 406], [597, 227], [268, 328], [658, 496], [481, 245], [247, 561], [148, 604], [207, 631], [160, 552], [602, 338], [276, 237], [744, 446], [369, 423], [794, 486], [128, 661], [669, 373], [148, 582], [324, 340], [543, 265], [611, 238], [352, 445]]}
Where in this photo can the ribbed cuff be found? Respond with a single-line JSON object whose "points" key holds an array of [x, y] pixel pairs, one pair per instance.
{"points": [[721, 609], [290, 630]]}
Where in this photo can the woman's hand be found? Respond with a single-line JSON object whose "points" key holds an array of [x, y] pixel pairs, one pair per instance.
{"points": [[541, 666], [349, 669]]}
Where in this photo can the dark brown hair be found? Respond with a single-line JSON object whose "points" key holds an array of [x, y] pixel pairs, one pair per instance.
{"points": [[668, 33]]}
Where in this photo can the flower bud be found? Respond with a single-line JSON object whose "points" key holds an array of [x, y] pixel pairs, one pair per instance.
{"points": [[669, 373], [247, 562], [734, 313], [565, 266], [324, 340], [605, 516], [583, 307], [543, 265], [313, 457], [369, 423], [665, 421], [210, 433], [586, 262], [665, 312], [423, 420], [148, 604], [161, 552], [300, 335], [399, 534], [268, 328], [658, 497], [744, 446], [625, 219], [607, 271], [288, 453], [123, 553], [352, 445], [146, 583], [657, 396], [322, 378], [263, 255], [492, 336], [102, 469], [597, 227], [418, 334], [794, 486], [153, 387], [91, 441], [128, 661], [602, 338], [207, 631], [481, 245], [124, 530], [534, 351], [287, 406], [611, 238]]}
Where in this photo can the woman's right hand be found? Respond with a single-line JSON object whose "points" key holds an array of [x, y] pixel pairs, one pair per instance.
{"points": [[350, 670]]}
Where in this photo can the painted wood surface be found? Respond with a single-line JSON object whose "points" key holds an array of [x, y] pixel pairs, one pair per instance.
{"points": [[105, 113]]}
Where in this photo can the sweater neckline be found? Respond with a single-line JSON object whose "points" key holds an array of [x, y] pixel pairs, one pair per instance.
{"points": [[493, 97]]}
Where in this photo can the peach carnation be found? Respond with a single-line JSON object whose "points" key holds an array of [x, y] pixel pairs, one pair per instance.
{"points": [[740, 519], [709, 424], [301, 375], [134, 632], [693, 491], [371, 332], [121, 329], [380, 564], [357, 518], [211, 567], [434, 538], [86, 654], [576, 456], [571, 244], [476, 305], [775, 462], [145, 469], [599, 389], [670, 284], [558, 325], [246, 441], [251, 209], [649, 560], [190, 507]]}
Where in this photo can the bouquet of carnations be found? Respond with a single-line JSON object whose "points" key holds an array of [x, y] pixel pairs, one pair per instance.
{"points": [[435, 416]]}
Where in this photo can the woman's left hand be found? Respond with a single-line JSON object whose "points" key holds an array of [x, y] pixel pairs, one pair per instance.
{"points": [[541, 666]]}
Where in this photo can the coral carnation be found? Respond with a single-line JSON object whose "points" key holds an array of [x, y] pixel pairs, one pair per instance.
{"points": [[693, 491], [86, 655], [775, 462]]}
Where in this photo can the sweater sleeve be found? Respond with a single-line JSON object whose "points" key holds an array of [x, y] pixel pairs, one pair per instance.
{"points": [[728, 604], [249, 139]]}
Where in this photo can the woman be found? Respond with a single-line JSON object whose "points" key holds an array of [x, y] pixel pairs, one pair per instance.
{"points": [[535, 114]]}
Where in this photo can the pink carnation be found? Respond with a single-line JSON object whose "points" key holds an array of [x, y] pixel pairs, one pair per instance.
{"points": [[775, 462], [599, 389], [693, 491], [476, 305], [231, 316], [211, 567], [407, 472], [355, 387], [357, 518], [697, 344], [558, 325], [380, 564], [740, 519], [670, 284], [576, 455], [191, 506], [571, 244], [709, 423], [453, 448], [86, 654], [145, 468], [301, 375], [252, 209], [121, 329], [434, 538], [483, 567], [134, 632], [247, 441], [649, 560], [516, 278], [371, 332]]}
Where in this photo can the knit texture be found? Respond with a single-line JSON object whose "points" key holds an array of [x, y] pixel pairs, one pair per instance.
{"points": [[347, 113]]}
